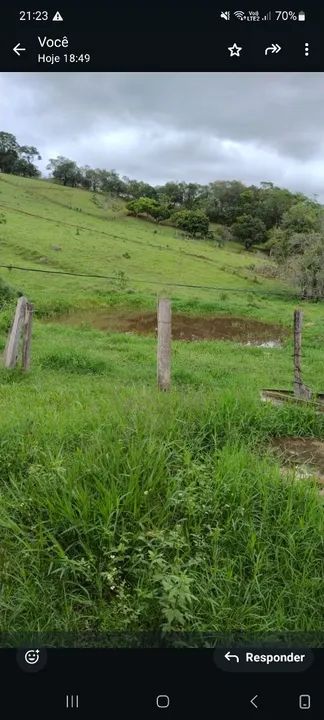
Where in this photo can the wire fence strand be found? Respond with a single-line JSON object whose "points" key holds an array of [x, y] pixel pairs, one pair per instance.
{"points": [[212, 288]]}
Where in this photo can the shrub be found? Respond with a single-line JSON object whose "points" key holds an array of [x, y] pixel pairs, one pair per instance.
{"points": [[304, 217], [150, 207], [121, 279], [194, 222], [249, 230], [7, 293], [222, 234]]}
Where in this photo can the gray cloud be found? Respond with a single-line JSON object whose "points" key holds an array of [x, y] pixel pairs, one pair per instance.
{"points": [[185, 126]]}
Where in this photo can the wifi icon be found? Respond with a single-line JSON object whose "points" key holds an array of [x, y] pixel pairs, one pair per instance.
{"points": [[239, 14]]}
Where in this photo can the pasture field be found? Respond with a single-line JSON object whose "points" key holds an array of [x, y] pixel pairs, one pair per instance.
{"points": [[123, 508]]}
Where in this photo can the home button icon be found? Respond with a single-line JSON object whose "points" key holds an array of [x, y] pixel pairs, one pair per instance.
{"points": [[163, 701]]}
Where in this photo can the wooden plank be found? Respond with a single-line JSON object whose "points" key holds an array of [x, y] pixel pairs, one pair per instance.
{"points": [[27, 336], [12, 347], [164, 344], [278, 398], [289, 394]]}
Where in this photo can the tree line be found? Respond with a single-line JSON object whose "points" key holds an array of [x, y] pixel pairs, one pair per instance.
{"points": [[17, 159], [250, 213], [287, 225]]}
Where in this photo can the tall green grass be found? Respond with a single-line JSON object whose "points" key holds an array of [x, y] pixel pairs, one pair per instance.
{"points": [[162, 513]]}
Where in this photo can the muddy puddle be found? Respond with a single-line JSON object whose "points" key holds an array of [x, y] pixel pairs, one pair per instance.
{"points": [[266, 344], [304, 455], [184, 327]]}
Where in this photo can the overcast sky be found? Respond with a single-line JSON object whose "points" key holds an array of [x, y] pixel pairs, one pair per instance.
{"points": [[175, 126]]}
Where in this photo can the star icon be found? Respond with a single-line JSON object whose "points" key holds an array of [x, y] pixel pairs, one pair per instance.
{"points": [[235, 50]]}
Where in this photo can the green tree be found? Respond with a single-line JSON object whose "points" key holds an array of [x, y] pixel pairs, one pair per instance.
{"points": [[193, 195], [249, 201], [111, 183], [90, 178], [194, 222], [171, 194], [65, 171], [29, 153], [273, 203], [303, 217], [150, 207], [24, 165], [25, 168], [222, 201], [278, 245], [306, 269], [136, 189], [17, 159], [9, 152], [249, 230]]}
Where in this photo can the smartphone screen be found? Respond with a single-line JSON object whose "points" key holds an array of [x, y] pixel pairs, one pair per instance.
{"points": [[162, 345]]}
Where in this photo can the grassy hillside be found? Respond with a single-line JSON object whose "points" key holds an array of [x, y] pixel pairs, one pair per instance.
{"points": [[96, 236], [123, 508]]}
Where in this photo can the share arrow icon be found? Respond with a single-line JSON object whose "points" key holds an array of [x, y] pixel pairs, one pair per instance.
{"points": [[274, 48]]}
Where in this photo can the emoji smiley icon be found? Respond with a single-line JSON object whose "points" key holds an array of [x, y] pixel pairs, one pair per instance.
{"points": [[32, 657]]}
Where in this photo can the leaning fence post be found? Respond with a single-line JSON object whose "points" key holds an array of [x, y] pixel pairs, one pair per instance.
{"points": [[27, 336], [300, 390], [12, 347], [164, 344]]}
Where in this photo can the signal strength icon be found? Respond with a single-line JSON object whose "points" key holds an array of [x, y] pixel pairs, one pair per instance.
{"points": [[267, 16], [239, 14]]}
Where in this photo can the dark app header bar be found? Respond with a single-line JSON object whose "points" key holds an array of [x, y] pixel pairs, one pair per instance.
{"points": [[168, 36]]}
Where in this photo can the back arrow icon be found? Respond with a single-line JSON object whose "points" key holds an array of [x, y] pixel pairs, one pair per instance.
{"points": [[252, 701], [17, 49]]}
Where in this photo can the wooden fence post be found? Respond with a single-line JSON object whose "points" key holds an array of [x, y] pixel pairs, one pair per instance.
{"points": [[164, 344], [300, 390], [27, 336], [12, 347]]}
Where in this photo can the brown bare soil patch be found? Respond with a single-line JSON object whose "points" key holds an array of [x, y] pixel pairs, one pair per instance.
{"points": [[184, 327], [306, 455]]}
